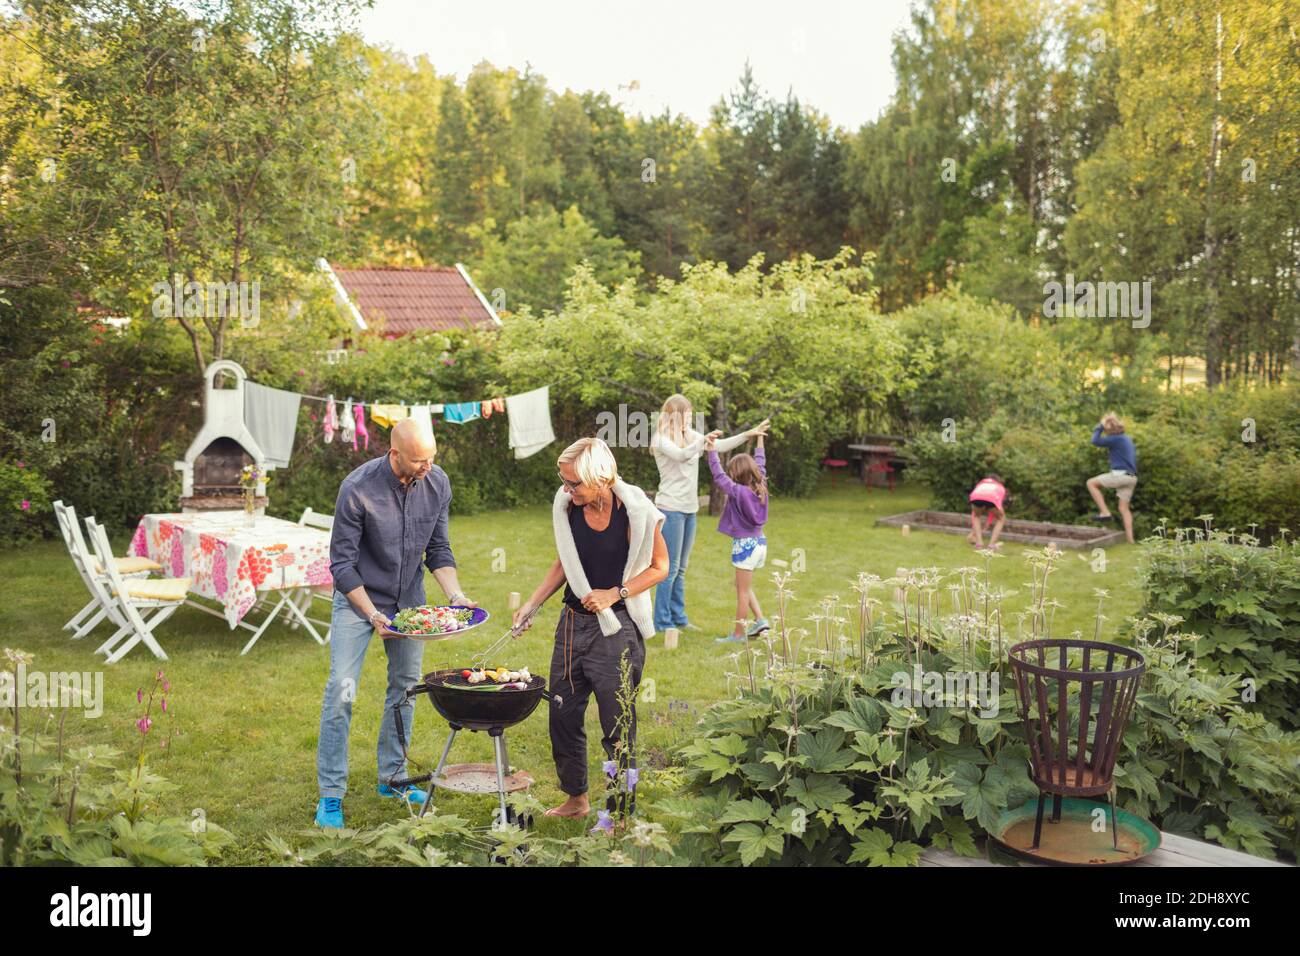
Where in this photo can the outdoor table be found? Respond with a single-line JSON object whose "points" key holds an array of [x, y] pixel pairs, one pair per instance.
{"points": [[230, 560], [870, 455]]}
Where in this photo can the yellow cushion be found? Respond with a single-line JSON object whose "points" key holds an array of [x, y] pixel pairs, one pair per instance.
{"points": [[131, 565], [159, 589]]}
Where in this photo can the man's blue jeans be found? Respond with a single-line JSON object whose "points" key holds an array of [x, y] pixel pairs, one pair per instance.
{"points": [[670, 595], [350, 634]]}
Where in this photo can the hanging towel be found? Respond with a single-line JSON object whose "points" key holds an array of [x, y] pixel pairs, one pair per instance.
{"points": [[420, 415], [389, 415], [348, 426], [436, 409], [487, 408], [498, 404], [271, 415], [331, 420], [530, 421], [643, 519], [461, 412], [359, 414]]}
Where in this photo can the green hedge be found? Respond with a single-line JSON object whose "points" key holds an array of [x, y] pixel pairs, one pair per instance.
{"points": [[1188, 465]]}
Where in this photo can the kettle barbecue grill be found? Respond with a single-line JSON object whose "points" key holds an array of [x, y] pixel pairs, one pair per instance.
{"points": [[486, 708]]}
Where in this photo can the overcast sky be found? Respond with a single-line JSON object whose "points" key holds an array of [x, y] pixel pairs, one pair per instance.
{"points": [[682, 55]]}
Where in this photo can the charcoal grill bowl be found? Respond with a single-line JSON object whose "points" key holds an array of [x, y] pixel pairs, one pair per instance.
{"points": [[463, 706], [1077, 843]]}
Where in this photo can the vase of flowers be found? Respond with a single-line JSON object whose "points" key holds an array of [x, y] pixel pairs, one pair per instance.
{"points": [[249, 478]]}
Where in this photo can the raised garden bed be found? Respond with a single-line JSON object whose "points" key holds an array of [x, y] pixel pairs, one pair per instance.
{"points": [[1022, 532]]}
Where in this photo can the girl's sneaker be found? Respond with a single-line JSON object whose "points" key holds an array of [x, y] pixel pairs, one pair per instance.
{"points": [[730, 639], [758, 627]]}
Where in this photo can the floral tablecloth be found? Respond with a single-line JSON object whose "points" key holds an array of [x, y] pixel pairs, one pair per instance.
{"points": [[229, 561]]}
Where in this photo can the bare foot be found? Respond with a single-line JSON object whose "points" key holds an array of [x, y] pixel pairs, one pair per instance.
{"points": [[573, 807]]}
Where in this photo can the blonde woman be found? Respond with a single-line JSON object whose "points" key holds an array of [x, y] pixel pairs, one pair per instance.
{"points": [[677, 449], [611, 553]]}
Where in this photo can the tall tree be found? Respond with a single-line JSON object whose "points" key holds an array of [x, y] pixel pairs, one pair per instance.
{"points": [[190, 143], [1191, 187]]}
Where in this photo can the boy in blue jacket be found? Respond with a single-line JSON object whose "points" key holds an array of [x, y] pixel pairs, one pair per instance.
{"points": [[1122, 477]]}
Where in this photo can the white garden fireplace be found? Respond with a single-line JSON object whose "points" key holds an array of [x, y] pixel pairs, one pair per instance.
{"points": [[223, 446]]}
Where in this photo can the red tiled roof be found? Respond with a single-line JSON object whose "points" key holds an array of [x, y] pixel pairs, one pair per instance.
{"points": [[405, 299]]}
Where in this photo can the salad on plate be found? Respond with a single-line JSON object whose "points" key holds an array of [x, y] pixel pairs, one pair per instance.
{"points": [[428, 619]]}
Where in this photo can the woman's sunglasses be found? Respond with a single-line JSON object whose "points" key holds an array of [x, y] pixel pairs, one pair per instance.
{"points": [[569, 485]]}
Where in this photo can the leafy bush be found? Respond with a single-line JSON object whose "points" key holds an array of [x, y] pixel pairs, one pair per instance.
{"points": [[76, 806], [979, 358], [822, 761], [1043, 468], [1243, 604], [1200, 760], [444, 839], [24, 502]]}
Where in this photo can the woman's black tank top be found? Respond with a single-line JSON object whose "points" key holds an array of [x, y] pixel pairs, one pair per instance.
{"points": [[603, 553]]}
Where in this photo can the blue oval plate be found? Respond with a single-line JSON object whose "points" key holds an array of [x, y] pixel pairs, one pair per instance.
{"points": [[478, 616]]}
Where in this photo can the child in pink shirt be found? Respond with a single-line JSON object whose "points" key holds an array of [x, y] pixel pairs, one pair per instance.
{"points": [[987, 500]]}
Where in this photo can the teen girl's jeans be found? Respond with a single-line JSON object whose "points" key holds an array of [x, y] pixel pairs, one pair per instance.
{"points": [[670, 594]]}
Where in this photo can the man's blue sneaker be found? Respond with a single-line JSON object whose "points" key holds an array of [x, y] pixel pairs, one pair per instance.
{"points": [[758, 627], [329, 813], [408, 792]]}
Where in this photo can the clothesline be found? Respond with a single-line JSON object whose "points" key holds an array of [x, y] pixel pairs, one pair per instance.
{"points": [[272, 417], [350, 398]]}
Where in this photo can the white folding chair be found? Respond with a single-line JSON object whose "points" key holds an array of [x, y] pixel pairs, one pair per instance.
{"points": [[314, 519], [138, 605], [296, 601], [88, 618]]}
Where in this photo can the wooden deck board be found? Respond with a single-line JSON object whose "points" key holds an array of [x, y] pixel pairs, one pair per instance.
{"points": [[1174, 851]]}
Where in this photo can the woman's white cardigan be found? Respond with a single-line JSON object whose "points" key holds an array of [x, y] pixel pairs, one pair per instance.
{"points": [[643, 519]]}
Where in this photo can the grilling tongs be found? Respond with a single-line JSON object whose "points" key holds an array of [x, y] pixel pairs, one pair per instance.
{"points": [[480, 660]]}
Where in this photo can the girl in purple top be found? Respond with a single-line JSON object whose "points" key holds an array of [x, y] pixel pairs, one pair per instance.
{"points": [[743, 517]]}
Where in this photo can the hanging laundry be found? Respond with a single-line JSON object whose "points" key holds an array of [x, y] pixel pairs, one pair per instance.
{"points": [[359, 414], [389, 415], [487, 408], [530, 421], [461, 412], [331, 420], [271, 415], [420, 415], [436, 409], [348, 426], [498, 404]]}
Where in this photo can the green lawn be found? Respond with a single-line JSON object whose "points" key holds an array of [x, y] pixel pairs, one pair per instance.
{"points": [[246, 747]]}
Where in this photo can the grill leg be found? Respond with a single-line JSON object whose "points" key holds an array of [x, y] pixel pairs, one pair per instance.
{"points": [[1114, 824], [442, 762], [1038, 819], [1056, 808], [499, 747]]}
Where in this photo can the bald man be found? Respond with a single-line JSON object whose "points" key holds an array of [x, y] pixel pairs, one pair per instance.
{"points": [[390, 522]]}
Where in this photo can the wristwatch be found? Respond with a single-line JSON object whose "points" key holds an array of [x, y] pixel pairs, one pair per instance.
{"points": [[458, 595], [622, 593]]}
